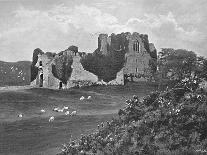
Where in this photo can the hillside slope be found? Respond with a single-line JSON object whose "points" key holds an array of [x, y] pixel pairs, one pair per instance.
{"points": [[14, 73]]}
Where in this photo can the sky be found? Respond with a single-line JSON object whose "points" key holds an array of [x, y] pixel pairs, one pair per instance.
{"points": [[54, 25]]}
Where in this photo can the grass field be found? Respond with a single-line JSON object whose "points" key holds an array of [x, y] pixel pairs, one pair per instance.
{"points": [[34, 135]]}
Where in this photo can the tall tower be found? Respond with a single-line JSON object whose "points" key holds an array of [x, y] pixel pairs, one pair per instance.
{"points": [[102, 41]]}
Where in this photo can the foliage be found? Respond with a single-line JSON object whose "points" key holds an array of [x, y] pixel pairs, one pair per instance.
{"points": [[164, 122], [73, 48], [104, 66], [107, 66], [179, 63], [62, 68]]}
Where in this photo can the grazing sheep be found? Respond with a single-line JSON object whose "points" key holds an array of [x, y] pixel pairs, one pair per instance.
{"points": [[60, 110], [42, 110], [67, 112], [82, 98], [73, 113], [56, 109], [89, 97], [51, 118], [20, 115], [66, 108]]}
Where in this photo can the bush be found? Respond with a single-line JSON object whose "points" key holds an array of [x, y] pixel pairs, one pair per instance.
{"points": [[62, 68], [107, 66], [164, 122]]}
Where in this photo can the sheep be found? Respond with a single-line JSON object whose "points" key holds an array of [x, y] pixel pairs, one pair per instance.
{"points": [[42, 110], [56, 109], [20, 115], [82, 98], [67, 112], [66, 108], [51, 118], [89, 97], [73, 113], [60, 110]]}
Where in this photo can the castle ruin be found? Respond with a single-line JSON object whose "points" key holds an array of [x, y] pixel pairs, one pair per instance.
{"points": [[118, 58]]}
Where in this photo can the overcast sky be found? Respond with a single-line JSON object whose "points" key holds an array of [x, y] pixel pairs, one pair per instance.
{"points": [[54, 25]]}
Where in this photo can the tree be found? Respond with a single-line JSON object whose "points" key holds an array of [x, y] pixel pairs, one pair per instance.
{"points": [[175, 65]]}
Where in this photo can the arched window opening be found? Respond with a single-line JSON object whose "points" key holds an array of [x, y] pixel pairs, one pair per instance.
{"points": [[60, 85], [40, 63], [41, 80], [136, 46]]}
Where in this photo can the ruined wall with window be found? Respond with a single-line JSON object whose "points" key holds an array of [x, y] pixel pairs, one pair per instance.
{"points": [[44, 77], [118, 58], [61, 70], [131, 53], [138, 58]]}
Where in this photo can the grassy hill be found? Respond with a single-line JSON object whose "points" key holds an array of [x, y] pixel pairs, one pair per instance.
{"points": [[14, 73], [34, 135]]}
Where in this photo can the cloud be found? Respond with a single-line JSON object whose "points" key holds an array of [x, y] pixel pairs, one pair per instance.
{"points": [[90, 19], [61, 26], [53, 30], [165, 31]]}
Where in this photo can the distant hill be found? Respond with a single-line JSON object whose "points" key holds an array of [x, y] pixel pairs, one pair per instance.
{"points": [[14, 73]]}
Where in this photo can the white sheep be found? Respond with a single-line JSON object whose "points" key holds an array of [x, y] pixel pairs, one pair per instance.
{"points": [[67, 112], [89, 97], [56, 109], [20, 115], [82, 98], [42, 110], [60, 110], [51, 118], [73, 113], [66, 108]]}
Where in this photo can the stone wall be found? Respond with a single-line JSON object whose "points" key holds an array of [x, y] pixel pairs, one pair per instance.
{"points": [[80, 74], [137, 62], [116, 56], [49, 81], [78, 78], [102, 40]]}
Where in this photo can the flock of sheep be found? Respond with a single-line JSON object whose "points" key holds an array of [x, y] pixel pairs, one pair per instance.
{"points": [[64, 109]]}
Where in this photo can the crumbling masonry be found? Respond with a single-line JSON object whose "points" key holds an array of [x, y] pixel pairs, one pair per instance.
{"points": [[118, 58]]}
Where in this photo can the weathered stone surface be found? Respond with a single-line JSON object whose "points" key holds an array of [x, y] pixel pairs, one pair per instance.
{"points": [[49, 81], [102, 40], [80, 74], [137, 60], [116, 56], [34, 69]]}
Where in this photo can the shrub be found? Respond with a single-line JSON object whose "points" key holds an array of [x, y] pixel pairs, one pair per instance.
{"points": [[62, 68], [107, 66], [164, 122]]}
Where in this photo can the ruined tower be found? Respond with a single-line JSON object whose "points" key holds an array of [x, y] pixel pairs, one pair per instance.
{"points": [[103, 43]]}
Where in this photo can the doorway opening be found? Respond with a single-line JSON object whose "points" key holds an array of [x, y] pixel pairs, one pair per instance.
{"points": [[41, 80], [60, 85]]}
